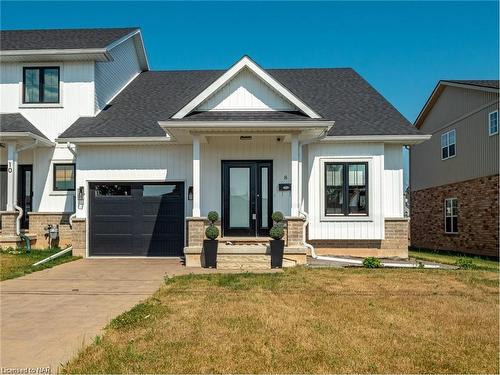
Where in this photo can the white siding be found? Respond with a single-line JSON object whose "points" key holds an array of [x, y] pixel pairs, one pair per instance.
{"points": [[393, 181], [231, 148], [111, 77], [320, 228], [246, 92], [133, 163], [76, 90]]}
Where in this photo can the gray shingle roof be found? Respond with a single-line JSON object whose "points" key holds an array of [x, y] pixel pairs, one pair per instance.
{"points": [[339, 94], [17, 123], [491, 83], [11, 40]]}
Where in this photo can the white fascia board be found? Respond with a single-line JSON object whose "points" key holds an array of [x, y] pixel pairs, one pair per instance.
{"points": [[245, 62], [137, 35], [245, 124], [405, 139], [18, 135], [111, 140], [60, 52]]}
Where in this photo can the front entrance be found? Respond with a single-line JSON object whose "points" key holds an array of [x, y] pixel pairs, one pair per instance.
{"points": [[25, 192], [247, 197]]}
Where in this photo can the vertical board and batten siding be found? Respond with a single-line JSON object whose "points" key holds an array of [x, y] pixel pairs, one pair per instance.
{"points": [[477, 152], [246, 92], [133, 163], [232, 148], [76, 93], [112, 76], [393, 187], [321, 229]]}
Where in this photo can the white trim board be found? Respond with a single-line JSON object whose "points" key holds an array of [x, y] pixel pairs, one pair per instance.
{"points": [[245, 62]]}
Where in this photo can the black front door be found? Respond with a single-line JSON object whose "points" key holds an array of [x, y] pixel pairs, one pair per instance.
{"points": [[25, 192], [246, 198]]}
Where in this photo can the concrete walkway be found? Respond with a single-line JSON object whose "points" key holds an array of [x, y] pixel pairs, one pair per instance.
{"points": [[48, 316]]}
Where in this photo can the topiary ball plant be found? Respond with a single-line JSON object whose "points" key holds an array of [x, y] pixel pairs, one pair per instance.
{"points": [[277, 217], [213, 216], [277, 232], [212, 232]]}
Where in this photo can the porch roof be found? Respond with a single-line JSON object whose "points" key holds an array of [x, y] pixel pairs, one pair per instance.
{"points": [[14, 126]]}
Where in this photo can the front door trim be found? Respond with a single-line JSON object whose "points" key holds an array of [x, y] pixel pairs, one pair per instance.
{"points": [[256, 228]]}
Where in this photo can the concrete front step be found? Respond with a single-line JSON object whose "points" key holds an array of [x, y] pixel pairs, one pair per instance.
{"points": [[245, 257]]}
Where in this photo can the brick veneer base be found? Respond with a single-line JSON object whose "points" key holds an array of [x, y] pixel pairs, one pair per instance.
{"points": [[39, 220], [79, 237], [395, 243], [478, 219]]}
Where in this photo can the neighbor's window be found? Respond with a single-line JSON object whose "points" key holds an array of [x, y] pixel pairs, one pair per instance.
{"points": [[41, 85], [493, 123], [346, 189], [64, 177], [448, 144], [451, 215]]}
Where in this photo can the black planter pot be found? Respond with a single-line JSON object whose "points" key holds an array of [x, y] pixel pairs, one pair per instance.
{"points": [[210, 252], [277, 248]]}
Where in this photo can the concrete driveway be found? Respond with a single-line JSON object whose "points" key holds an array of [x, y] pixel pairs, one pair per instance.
{"points": [[48, 316]]}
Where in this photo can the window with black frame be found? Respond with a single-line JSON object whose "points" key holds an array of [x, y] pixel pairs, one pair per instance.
{"points": [[64, 177], [41, 85], [346, 189]]}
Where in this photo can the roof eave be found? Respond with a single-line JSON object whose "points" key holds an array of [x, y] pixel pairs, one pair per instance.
{"points": [[17, 135], [409, 139], [183, 124]]}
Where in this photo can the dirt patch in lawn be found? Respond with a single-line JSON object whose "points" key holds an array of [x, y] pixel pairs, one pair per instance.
{"points": [[307, 321]]}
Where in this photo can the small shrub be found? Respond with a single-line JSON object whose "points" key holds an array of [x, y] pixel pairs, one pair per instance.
{"points": [[371, 262], [465, 264], [213, 216], [212, 232], [277, 217], [277, 232]]}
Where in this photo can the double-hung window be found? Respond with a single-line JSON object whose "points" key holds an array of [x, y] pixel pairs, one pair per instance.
{"points": [[451, 215], [64, 177], [493, 123], [448, 144], [41, 85], [346, 189]]}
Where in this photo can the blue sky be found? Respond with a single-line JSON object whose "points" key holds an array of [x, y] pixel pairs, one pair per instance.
{"points": [[401, 48]]}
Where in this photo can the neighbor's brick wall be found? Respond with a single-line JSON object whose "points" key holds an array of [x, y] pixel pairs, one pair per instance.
{"points": [[39, 220], [79, 237], [8, 222], [395, 243], [478, 220]]}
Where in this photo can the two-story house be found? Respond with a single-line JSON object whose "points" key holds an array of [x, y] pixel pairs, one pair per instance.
{"points": [[129, 161], [454, 175]]}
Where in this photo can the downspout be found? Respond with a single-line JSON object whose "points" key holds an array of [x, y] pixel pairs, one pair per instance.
{"points": [[72, 216]]}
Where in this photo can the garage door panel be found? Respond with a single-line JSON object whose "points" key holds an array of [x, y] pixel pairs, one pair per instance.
{"points": [[138, 225]]}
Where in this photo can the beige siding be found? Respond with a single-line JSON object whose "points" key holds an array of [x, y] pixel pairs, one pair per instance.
{"points": [[466, 111]]}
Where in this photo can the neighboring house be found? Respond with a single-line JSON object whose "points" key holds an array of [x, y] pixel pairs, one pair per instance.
{"points": [[133, 157], [454, 175]]}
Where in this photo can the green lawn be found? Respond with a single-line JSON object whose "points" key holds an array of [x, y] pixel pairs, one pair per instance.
{"points": [[15, 265], [307, 321], [477, 262]]}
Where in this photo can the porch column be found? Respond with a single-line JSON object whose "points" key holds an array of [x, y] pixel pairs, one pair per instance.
{"points": [[11, 175], [196, 176], [295, 175]]}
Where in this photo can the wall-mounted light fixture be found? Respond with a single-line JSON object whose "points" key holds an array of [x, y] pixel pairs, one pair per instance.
{"points": [[190, 193]]}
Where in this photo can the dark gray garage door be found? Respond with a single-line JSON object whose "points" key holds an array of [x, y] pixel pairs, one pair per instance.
{"points": [[136, 219]]}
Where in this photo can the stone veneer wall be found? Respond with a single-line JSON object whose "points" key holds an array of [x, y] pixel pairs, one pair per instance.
{"points": [[79, 237], [395, 243], [195, 231], [478, 219], [39, 220]]}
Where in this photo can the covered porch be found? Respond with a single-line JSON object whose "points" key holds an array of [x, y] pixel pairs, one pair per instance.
{"points": [[245, 170]]}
